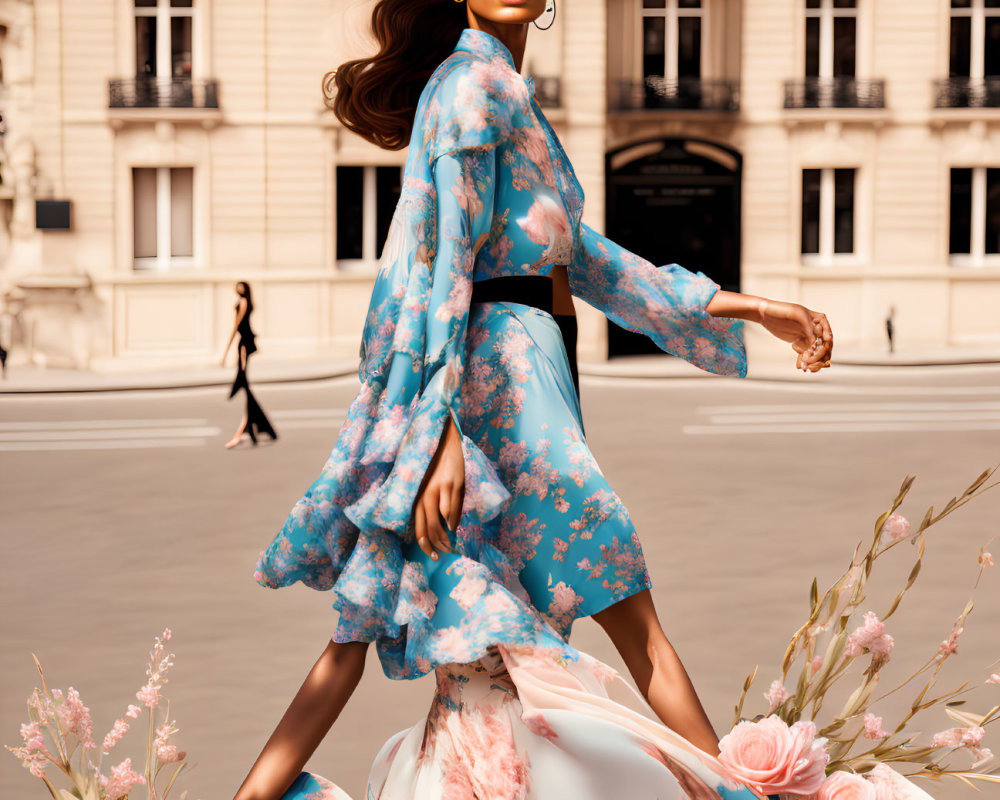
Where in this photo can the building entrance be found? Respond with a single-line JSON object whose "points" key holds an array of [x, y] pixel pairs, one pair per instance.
{"points": [[674, 201]]}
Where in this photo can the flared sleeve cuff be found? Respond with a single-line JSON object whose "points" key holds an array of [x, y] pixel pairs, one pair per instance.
{"points": [[667, 303]]}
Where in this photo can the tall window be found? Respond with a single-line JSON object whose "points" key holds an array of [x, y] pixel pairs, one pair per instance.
{"points": [[163, 217], [828, 212], [974, 214], [975, 38], [831, 38], [671, 39], [164, 35], [366, 199]]}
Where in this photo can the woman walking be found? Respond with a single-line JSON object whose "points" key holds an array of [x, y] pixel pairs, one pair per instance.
{"points": [[254, 419], [461, 522]]}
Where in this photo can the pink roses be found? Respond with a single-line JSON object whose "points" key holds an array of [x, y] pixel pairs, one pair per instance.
{"points": [[773, 758]]}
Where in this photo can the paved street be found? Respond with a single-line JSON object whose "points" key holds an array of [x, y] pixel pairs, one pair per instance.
{"points": [[123, 514]]}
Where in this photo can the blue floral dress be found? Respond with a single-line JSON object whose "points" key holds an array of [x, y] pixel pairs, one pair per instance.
{"points": [[543, 539]]}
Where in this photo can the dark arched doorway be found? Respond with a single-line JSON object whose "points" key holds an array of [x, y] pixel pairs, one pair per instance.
{"points": [[674, 200]]}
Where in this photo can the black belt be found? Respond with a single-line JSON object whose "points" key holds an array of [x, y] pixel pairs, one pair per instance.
{"points": [[535, 291]]}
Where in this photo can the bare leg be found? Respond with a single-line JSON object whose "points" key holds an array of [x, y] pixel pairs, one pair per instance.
{"points": [[635, 630], [238, 436], [316, 706]]}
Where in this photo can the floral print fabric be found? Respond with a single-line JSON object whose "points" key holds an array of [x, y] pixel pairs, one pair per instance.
{"points": [[526, 724], [543, 539]]}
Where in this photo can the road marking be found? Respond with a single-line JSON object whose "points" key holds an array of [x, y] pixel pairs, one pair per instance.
{"points": [[854, 407], [97, 424], [785, 387], [847, 418], [122, 444], [104, 434], [842, 427], [108, 435]]}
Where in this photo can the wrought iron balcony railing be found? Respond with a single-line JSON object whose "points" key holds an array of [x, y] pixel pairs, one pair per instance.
{"points": [[153, 92], [840, 92], [967, 92], [688, 94]]}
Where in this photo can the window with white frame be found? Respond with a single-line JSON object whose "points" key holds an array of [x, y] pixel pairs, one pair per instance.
{"points": [[974, 215], [831, 38], [164, 38], [366, 200], [163, 217], [828, 201], [672, 33], [975, 38]]}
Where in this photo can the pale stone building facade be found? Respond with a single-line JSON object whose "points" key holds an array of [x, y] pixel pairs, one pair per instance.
{"points": [[840, 153]]}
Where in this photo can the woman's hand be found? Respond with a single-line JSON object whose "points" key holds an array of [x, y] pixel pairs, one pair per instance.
{"points": [[808, 331], [441, 494]]}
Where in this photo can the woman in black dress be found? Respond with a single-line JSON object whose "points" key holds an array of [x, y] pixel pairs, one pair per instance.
{"points": [[254, 419]]}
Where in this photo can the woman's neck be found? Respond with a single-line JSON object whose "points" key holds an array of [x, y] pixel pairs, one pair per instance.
{"points": [[513, 35]]}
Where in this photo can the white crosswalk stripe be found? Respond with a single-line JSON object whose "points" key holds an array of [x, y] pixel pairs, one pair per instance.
{"points": [[104, 434], [132, 434], [875, 417]]}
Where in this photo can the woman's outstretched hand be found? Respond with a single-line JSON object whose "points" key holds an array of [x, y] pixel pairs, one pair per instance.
{"points": [[441, 494], [808, 331]]}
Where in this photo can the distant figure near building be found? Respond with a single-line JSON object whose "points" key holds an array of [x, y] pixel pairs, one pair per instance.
{"points": [[254, 419], [888, 326]]}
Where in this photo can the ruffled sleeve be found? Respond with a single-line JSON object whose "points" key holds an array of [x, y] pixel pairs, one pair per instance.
{"points": [[665, 303], [352, 532]]}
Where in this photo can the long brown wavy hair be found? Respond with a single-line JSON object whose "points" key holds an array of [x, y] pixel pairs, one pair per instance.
{"points": [[377, 97]]}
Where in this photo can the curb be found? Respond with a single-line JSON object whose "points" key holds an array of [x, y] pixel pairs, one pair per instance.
{"points": [[659, 370]]}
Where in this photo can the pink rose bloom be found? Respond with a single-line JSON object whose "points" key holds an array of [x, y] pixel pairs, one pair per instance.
{"points": [[897, 526], [848, 786], [873, 727], [776, 695], [773, 758]]}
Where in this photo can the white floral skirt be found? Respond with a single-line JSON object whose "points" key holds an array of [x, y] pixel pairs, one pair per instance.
{"points": [[524, 723]]}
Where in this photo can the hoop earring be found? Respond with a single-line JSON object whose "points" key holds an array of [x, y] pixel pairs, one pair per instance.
{"points": [[549, 6]]}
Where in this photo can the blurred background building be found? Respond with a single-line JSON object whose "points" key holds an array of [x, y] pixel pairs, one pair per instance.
{"points": [[840, 153]]}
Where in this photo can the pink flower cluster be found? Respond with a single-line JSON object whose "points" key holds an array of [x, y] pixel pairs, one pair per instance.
{"points": [[74, 717], [970, 737], [897, 526], [873, 727], [950, 645], [122, 779], [166, 752], [776, 695], [33, 753], [870, 636], [159, 663]]}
